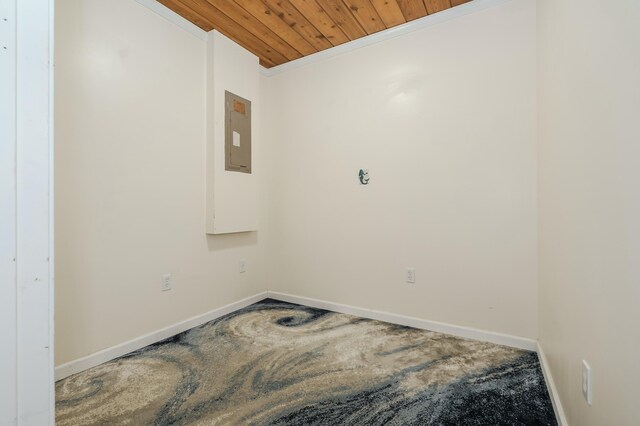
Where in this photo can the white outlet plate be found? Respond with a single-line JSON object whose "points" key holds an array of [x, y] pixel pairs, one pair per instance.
{"points": [[166, 282], [243, 266], [411, 275], [586, 382]]}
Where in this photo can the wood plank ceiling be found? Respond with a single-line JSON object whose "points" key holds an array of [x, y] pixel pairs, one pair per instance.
{"points": [[279, 31]]}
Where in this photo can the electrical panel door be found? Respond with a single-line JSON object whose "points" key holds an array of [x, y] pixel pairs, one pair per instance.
{"points": [[237, 133]]}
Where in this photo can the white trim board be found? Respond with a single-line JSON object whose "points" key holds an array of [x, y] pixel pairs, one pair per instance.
{"points": [[8, 213], [29, 47], [174, 18], [441, 327], [409, 27], [551, 388], [415, 25], [108, 354]]}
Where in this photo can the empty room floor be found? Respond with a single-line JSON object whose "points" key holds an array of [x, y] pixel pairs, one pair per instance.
{"points": [[277, 363]]}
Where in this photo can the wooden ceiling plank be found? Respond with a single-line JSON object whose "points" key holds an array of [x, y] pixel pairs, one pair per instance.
{"points": [[188, 14], [343, 17], [389, 12], [435, 6], [319, 18], [262, 13], [412, 9], [292, 17], [366, 15], [278, 31], [255, 27], [221, 22]]}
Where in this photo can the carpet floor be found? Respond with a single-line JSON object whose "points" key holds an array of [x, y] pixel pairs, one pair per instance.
{"points": [[276, 363]]}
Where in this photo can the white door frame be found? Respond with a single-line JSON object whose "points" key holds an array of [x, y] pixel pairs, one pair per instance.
{"points": [[26, 213]]}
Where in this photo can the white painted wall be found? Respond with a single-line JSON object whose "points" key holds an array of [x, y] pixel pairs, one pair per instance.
{"points": [[233, 198], [445, 119], [589, 133], [130, 181]]}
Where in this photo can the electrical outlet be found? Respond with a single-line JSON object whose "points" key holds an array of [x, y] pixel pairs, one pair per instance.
{"points": [[586, 382], [411, 275], [166, 282], [243, 266]]}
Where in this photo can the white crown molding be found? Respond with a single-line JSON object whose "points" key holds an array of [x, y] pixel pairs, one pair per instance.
{"points": [[173, 17], [409, 27], [551, 388], [440, 327]]}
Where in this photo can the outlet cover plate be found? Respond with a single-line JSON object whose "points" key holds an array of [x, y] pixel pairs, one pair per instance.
{"points": [[586, 382], [166, 282], [411, 275]]}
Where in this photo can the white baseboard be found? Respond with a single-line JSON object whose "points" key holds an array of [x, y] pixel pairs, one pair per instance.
{"points": [[111, 353], [97, 358], [456, 330], [551, 388]]}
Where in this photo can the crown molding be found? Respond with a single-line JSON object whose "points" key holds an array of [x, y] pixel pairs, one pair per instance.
{"points": [[174, 18], [409, 27]]}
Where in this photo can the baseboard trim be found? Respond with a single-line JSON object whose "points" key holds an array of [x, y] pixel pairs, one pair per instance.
{"points": [[105, 355], [551, 388], [100, 357], [456, 330]]}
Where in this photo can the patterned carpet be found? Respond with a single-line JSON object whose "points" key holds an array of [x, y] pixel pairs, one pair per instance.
{"points": [[276, 363]]}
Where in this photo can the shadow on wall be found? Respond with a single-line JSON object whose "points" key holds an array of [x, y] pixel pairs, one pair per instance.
{"points": [[229, 241]]}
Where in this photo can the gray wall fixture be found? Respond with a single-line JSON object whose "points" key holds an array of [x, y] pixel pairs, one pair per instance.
{"points": [[237, 147]]}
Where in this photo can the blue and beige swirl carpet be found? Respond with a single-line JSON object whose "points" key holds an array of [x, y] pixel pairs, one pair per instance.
{"points": [[276, 363]]}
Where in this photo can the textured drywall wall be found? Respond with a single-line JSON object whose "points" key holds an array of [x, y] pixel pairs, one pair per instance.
{"points": [[589, 169], [445, 119], [130, 181]]}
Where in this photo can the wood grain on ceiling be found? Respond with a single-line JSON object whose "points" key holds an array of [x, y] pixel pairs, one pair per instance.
{"points": [[279, 31]]}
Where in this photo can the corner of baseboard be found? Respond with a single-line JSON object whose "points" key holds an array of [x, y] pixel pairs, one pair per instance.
{"points": [[108, 354], [440, 327], [551, 387], [111, 353]]}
